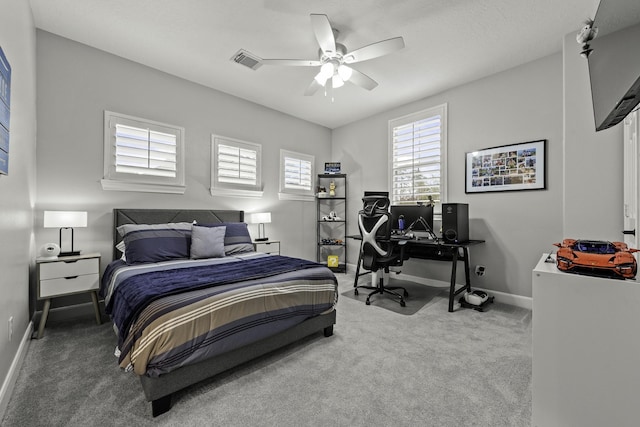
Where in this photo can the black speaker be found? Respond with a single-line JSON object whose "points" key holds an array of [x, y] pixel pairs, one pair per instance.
{"points": [[455, 222]]}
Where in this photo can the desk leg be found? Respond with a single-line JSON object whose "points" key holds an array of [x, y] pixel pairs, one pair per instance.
{"points": [[43, 319], [96, 306], [452, 285], [467, 276]]}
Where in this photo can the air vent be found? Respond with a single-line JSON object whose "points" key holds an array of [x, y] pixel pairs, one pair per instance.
{"points": [[247, 59]]}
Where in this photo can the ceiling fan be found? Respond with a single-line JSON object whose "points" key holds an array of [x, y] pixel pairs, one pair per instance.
{"points": [[334, 58]]}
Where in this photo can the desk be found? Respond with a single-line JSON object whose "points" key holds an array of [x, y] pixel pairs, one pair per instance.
{"points": [[439, 251]]}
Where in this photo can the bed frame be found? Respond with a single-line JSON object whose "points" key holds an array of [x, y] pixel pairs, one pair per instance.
{"points": [[158, 390]]}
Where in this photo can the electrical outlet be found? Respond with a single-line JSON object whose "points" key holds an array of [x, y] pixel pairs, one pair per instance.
{"points": [[10, 326], [480, 269]]}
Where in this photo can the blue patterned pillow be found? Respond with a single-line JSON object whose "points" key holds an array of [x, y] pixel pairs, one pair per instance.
{"points": [[237, 239], [146, 243]]}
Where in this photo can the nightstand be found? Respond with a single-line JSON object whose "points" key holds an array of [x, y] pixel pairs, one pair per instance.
{"points": [[267, 247], [65, 276]]}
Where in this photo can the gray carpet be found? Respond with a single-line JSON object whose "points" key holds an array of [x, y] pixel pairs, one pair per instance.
{"points": [[380, 368]]}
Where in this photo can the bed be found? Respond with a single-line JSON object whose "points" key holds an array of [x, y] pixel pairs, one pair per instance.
{"points": [[189, 298]]}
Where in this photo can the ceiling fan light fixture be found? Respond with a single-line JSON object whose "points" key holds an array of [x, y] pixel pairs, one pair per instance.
{"points": [[336, 81], [334, 58], [345, 72], [321, 78], [327, 69]]}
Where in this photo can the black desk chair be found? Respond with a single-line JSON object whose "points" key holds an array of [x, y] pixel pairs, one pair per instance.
{"points": [[378, 251]]}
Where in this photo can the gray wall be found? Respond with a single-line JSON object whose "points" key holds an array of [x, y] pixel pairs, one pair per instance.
{"points": [[518, 105], [17, 190], [76, 83], [592, 161]]}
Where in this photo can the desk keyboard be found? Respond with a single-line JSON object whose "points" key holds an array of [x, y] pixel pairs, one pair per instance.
{"points": [[403, 237]]}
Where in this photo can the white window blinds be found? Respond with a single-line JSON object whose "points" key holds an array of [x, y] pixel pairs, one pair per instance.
{"points": [[142, 155], [237, 165], [417, 146], [296, 176], [297, 173], [145, 152]]}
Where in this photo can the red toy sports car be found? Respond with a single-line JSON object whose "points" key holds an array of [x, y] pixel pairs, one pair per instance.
{"points": [[597, 258]]}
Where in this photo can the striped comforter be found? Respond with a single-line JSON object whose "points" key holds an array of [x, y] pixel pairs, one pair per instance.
{"points": [[175, 313]]}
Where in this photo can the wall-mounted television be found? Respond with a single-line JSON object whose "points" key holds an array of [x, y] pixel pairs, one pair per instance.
{"points": [[614, 61]]}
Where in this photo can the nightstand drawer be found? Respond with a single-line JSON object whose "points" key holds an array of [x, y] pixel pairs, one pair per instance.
{"points": [[61, 269], [69, 285], [268, 247]]}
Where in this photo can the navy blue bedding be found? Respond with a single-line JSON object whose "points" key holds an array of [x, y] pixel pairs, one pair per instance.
{"points": [[136, 292]]}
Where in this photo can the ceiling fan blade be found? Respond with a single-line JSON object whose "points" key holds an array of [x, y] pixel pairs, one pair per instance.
{"points": [[362, 80], [293, 62], [324, 33], [374, 50], [313, 88]]}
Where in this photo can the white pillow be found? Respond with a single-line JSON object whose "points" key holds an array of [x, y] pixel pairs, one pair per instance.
{"points": [[207, 242]]}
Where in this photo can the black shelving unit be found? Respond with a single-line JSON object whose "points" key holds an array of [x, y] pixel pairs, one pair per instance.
{"points": [[331, 233]]}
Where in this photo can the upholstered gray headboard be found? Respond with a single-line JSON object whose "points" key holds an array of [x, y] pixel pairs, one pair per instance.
{"points": [[161, 216]]}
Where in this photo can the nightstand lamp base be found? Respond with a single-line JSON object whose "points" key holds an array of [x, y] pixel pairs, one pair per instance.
{"points": [[72, 253]]}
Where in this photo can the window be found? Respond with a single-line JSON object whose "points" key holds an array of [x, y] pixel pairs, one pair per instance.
{"points": [[296, 176], [142, 155], [418, 146], [237, 167]]}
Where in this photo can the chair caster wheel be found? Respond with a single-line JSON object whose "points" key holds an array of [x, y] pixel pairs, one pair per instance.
{"points": [[355, 292], [406, 294], [368, 302]]}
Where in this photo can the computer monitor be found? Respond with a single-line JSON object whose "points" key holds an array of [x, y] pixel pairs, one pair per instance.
{"points": [[410, 214]]}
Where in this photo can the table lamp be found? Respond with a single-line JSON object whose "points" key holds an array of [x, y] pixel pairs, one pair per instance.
{"points": [[66, 220], [261, 219]]}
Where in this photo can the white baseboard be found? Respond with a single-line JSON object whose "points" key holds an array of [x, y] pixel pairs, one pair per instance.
{"points": [[502, 297], [12, 376]]}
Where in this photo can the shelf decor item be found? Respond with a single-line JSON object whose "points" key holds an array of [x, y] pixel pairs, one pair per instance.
{"points": [[507, 168], [65, 220], [332, 167], [49, 251], [332, 189], [333, 261]]}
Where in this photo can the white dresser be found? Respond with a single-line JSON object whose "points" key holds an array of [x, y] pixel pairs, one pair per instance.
{"points": [[586, 350]]}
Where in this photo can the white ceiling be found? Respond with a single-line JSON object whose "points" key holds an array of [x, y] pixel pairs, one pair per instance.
{"points": [[448, 43]]}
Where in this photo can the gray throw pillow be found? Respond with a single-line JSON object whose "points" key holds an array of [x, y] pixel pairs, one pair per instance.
{"points": [[207, 242]]}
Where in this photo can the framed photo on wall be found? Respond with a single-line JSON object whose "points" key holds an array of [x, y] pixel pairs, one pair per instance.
{"points": [[507, 168]]}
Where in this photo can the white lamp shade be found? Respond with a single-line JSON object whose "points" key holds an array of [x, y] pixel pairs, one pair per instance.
{"points": [[345, 72], [321, 78], [260, 218], [62, 219], [337, 81]]}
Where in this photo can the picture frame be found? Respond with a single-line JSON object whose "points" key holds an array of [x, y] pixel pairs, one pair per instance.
{"points": [[514, 167], [5, 112], [332, 167]]}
